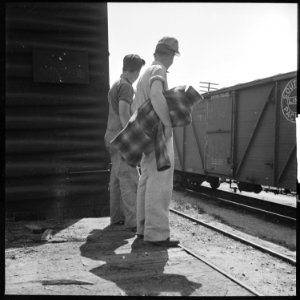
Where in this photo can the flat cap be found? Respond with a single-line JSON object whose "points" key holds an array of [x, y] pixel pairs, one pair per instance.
{"points": [[169, 43]]}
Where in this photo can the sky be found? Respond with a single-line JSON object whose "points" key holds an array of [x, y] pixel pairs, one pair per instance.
{"points": [[223, 43]]}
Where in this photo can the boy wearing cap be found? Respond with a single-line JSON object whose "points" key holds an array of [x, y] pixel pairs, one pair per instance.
{"points": [[123, 178], [155, 187]]}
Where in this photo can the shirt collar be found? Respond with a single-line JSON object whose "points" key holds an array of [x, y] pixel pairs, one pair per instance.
{"points": [[157, 62], [123, 76]]}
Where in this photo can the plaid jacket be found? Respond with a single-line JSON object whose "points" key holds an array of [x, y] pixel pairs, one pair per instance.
{"points": [[144, 131]]}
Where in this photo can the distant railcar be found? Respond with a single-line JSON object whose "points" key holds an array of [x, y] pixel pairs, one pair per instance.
{"points": [[245, 133]]}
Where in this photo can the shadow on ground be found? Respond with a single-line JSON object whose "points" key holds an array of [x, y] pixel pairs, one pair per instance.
{"points": [[137, 269]]}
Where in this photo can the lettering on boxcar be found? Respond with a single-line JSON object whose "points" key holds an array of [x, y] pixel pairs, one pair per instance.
{"points": [[289, 101]]}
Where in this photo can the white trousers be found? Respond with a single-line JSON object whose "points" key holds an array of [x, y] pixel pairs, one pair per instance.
{"points": [[123, 191], [154, 197]]}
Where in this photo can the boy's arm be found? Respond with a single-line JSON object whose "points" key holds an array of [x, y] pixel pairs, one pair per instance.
{"points": [[159, 102], [124, 112], [125, 100], [160, 106]]}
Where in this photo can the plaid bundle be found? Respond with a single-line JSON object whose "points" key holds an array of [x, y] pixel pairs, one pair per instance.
{"points": [[144, 131], [180, 101]]}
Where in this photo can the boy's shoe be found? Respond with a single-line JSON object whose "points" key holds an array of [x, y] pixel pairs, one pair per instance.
{"points": [[164, 243], [119, 223]]}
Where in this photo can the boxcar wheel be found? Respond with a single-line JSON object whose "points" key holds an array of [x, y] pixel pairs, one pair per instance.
{"points": [[214, 183]]}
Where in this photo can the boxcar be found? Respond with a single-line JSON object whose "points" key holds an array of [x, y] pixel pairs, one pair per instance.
{"points": [[245, 133], [56, 109]]}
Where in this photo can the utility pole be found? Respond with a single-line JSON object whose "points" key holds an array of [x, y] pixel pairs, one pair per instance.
{"points": [[208, 86]]}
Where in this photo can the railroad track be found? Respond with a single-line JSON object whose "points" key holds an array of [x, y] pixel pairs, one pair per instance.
{"points": [[226, 274], [274, 211], [202, 258], [235, 237]]}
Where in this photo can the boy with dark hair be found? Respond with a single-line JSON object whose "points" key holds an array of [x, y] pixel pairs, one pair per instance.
{"points": [[123, 178]]}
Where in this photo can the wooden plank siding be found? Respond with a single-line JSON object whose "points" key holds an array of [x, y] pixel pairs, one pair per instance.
{"points": [[56, 109]]}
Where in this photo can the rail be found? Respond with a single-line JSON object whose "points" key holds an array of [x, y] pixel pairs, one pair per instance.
{"points": [[220, 271], [280, 212], [240, 239]]}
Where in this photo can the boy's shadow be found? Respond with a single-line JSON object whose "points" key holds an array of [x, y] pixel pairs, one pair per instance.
{"points": [[137, 269]]}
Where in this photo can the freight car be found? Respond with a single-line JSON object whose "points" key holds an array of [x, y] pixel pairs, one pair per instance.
{"points": [[56, 67], [245, 133]]}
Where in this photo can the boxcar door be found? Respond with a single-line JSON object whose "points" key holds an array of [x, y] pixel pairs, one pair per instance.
{"points": [[218, 154]]}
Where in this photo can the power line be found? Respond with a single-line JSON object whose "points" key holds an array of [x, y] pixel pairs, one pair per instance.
{"points": [[208, 86]]}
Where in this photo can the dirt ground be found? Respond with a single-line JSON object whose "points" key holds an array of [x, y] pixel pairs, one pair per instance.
{"points": [[268, 275], [27, 257]]}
